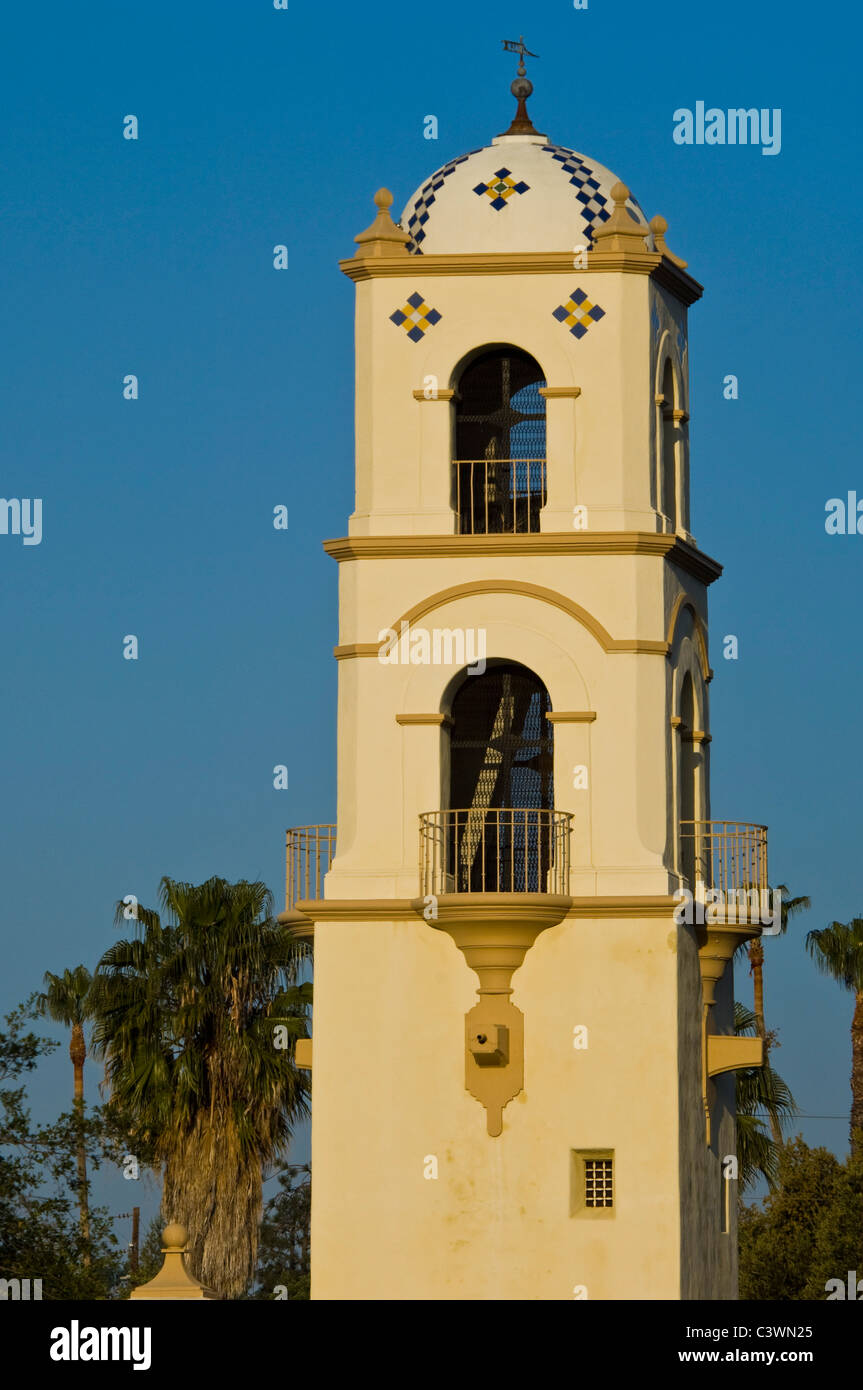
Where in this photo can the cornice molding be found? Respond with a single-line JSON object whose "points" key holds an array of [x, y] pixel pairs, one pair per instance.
{"points": [[683, 286], [404, 910], [406, 720], [659, 905], [679, 552], [666, 274], [357, 909], [347, 650]]}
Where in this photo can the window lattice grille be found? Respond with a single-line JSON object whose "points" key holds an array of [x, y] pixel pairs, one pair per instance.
{"points": [[500, 471], [501, 743], [599, 1182], [501, 759]]}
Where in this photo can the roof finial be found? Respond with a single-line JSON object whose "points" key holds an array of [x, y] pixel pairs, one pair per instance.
{"points": [[383, 237], [659, 227], [622, 231], [521, 88]]}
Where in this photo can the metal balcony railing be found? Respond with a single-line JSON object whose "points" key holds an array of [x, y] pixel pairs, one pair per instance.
{"points": [[310, 852], [494, 851], [727, 855], [498, 496]]}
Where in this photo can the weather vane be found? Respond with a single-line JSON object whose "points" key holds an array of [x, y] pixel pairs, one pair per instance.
{"points": [[521, 88], [510, 46]]}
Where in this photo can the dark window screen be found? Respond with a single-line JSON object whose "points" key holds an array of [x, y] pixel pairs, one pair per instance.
{"points": [[499, 407], [499, 472], [501, 760]]}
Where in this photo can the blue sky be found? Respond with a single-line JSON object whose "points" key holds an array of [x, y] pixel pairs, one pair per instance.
{"points": [[154, 257]]}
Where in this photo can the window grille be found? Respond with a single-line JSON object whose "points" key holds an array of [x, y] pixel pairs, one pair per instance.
{"points": [[499, 481], [599, 1182], [501, 746], [502, 774], [592, 1184]]}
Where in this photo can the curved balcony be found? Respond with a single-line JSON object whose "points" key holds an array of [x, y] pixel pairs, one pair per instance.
{"points": [[496, 496], [310, 852], [485, 850], [727, 855]]}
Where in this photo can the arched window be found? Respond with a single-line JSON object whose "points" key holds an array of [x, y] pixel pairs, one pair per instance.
{"points": [[668, 448], [501, 773], [499, 469], [690, 839]]}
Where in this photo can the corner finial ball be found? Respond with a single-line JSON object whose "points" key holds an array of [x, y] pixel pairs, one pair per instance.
{"points": [[175, 1235], [383, 199], [620, 192]]}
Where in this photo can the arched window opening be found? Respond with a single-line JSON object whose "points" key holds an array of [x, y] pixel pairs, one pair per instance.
{"points": [[690, 829], [500, 830], [668, 450], [499, 477]]}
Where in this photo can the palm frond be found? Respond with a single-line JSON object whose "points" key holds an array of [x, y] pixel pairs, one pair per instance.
{"points": [[184, 1014]]}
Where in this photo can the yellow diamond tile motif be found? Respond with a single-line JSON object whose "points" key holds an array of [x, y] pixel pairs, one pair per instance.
{"points": [[577, 314], [415, 317], [500, 188]]}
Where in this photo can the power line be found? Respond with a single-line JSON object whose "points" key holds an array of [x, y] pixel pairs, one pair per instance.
{"points": [[803, 1115]]}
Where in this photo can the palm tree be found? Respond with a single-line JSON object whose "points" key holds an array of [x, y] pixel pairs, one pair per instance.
{"points": [[186, 1019], [755, 950], [838, 952], [66, 999], [788, 907], [759, 1090]]}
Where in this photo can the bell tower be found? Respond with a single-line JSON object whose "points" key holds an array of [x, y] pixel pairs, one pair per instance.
{"points": [[523, 1063]]}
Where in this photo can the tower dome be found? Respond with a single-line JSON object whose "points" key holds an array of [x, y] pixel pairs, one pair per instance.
{"points": [[518, 194]]}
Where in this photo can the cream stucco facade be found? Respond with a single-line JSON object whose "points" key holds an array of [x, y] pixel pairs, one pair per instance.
{"points": [[606, 604]]}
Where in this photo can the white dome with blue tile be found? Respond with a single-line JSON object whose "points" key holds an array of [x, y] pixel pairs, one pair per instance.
{"points": [[519, 194]]}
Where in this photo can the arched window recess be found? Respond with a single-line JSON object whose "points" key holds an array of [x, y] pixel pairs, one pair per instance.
{"points": [[500, 832], [499, 470]]}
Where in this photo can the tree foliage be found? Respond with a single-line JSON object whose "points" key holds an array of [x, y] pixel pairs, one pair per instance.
{"points": [[66, 999], [283, 1250], [40, 1230], [838, 952], [760, 1093], [808, 1230], [186, 1015]]}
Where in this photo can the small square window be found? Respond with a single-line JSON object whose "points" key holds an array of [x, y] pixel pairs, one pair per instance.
{"points": [[598, 1182], [592, 1183]]}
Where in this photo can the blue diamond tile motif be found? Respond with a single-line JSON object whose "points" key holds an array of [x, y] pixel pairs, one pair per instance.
{"points": [[578, 313], [415, 317], [501, 187], [425, 200], [594, 206]]}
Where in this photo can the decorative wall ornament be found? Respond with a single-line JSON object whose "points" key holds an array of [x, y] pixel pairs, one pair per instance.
{"points": [[420, 214], [578, 313], [415, 317], [594, 206], [500, 188]]}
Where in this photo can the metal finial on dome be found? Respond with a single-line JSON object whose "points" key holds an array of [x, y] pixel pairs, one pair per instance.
{"points": [[521, 88]]}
